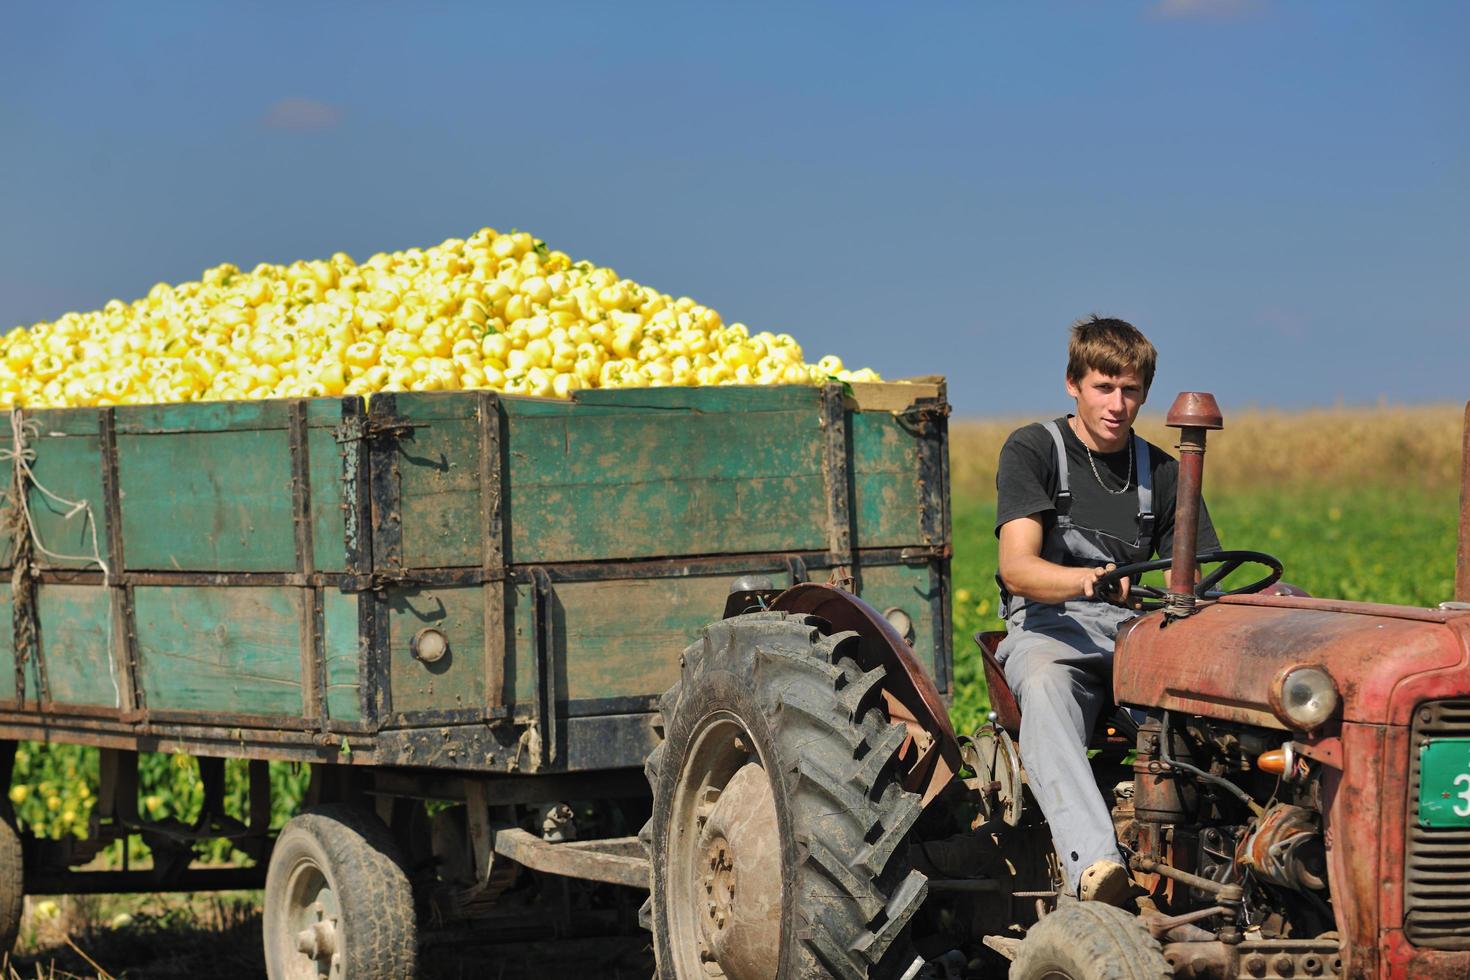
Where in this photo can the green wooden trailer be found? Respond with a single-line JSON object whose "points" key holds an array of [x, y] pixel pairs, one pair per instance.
{"points": [[449, 596]]}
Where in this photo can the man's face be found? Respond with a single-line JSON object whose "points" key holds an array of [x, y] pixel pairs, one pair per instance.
{"points": [[1107, 404]]}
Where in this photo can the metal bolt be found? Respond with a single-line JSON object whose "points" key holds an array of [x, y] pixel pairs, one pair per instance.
{"points": [[1255, 965], [1283, 964], [1311, 966]]}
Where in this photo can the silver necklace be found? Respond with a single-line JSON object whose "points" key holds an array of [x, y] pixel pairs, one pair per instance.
{"points": [[1096, 476]]}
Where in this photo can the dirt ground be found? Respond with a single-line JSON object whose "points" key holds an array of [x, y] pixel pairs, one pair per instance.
{"points": [[150, 937]]}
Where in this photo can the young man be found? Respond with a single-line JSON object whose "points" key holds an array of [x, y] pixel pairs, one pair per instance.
{"points": [[1076, 497]]}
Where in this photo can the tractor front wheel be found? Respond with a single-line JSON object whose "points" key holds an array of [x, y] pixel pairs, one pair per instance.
{"points": [[1090, 941]]}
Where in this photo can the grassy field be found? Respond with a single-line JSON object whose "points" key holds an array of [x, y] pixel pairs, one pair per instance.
{"points": [[1358, 504]]}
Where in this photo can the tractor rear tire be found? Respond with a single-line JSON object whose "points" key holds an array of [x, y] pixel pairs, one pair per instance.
{"points": [[337, 901], [1090, 941], [778, 843]]}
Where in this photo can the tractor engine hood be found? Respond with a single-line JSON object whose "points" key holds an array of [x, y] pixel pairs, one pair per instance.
{"points": [[1225, 661]]}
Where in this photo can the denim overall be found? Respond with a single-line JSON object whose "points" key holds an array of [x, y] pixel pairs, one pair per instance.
{"points": [[1058, 661]]}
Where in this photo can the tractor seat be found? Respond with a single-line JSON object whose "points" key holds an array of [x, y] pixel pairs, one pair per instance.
{"points": [[1117, 730], [1002, 701]]}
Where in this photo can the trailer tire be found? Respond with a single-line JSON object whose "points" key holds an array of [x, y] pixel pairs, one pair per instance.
{"points": [[1090, 941], [336, 897], [12, 885], [778, 842]]}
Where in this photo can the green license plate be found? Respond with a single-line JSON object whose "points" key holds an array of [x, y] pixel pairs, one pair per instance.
{"points": [[1444, 782]]}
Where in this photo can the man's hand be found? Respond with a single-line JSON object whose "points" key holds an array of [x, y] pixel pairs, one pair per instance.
{"points": [[1116, 593]]}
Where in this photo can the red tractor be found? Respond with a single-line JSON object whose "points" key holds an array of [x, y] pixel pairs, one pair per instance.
{"points": [[1291, 778]]}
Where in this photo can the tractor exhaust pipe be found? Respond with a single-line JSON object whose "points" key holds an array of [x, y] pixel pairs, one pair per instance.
{"points": [[1193, 413], [1462, 557]]}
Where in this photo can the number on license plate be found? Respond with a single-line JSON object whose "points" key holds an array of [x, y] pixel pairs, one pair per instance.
{"points": [[1444, 782]]}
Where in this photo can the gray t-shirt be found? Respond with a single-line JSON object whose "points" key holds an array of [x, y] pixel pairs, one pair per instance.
{"points": [[1026, 484]]}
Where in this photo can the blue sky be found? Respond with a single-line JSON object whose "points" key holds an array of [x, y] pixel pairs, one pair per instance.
{"points": [[1278, 194]]}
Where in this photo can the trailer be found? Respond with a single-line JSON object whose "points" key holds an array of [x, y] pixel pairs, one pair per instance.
{"points": [[460, 608]]}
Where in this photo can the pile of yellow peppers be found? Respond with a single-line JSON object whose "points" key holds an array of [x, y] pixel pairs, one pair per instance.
{"points": [[494, 311]]}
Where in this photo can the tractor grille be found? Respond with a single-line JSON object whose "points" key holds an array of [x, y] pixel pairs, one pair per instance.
{"points": [[1437, 872]]}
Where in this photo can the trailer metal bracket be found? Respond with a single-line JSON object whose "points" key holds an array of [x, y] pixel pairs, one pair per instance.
{"points": [[617, 860]]}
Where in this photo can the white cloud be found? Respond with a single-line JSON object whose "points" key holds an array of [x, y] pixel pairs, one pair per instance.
{"points": [[302, 115], [1205, 9], [1285, 323]]}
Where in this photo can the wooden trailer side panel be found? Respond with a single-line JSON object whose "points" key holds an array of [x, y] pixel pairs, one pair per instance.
{"points": [[221, 650], [77, 642], [73, 528], [206, 487], [279, 558], [341, 656], [323, 469], [622, 639], [666, 472], [457, 681], [439, 489]]}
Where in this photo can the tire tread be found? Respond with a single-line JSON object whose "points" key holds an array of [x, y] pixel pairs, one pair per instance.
{"points": [[856, 893], [375, 898], [1091, 941]]}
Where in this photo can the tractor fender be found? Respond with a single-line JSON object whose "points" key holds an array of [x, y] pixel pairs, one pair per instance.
{"points": [[930, 756]]}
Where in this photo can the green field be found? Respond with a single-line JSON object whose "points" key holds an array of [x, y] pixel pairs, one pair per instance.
{"points": [[1385, 543]]}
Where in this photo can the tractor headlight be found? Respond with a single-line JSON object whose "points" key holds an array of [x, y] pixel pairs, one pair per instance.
{"points": [[1304, 697]]}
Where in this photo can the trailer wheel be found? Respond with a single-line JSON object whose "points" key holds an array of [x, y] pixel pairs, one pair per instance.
{"points": [[1090, 941], [337, 902], [12, 885], [778, 842]]}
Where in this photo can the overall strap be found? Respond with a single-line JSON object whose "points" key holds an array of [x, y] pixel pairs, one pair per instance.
{"points": [[1145, 492], [1064, 492]]}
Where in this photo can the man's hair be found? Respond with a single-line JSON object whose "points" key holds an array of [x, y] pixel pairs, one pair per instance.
{"points": [[1109, 346]]}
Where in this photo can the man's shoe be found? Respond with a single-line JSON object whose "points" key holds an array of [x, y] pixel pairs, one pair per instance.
{"points": [[1107, 882]]}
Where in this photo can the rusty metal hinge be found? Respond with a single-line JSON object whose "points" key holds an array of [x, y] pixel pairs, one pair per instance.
{"points": [[363, 428]]}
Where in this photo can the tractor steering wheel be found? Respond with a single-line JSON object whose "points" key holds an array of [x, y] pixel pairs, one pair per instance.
{"points": [[1106, 586]]}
